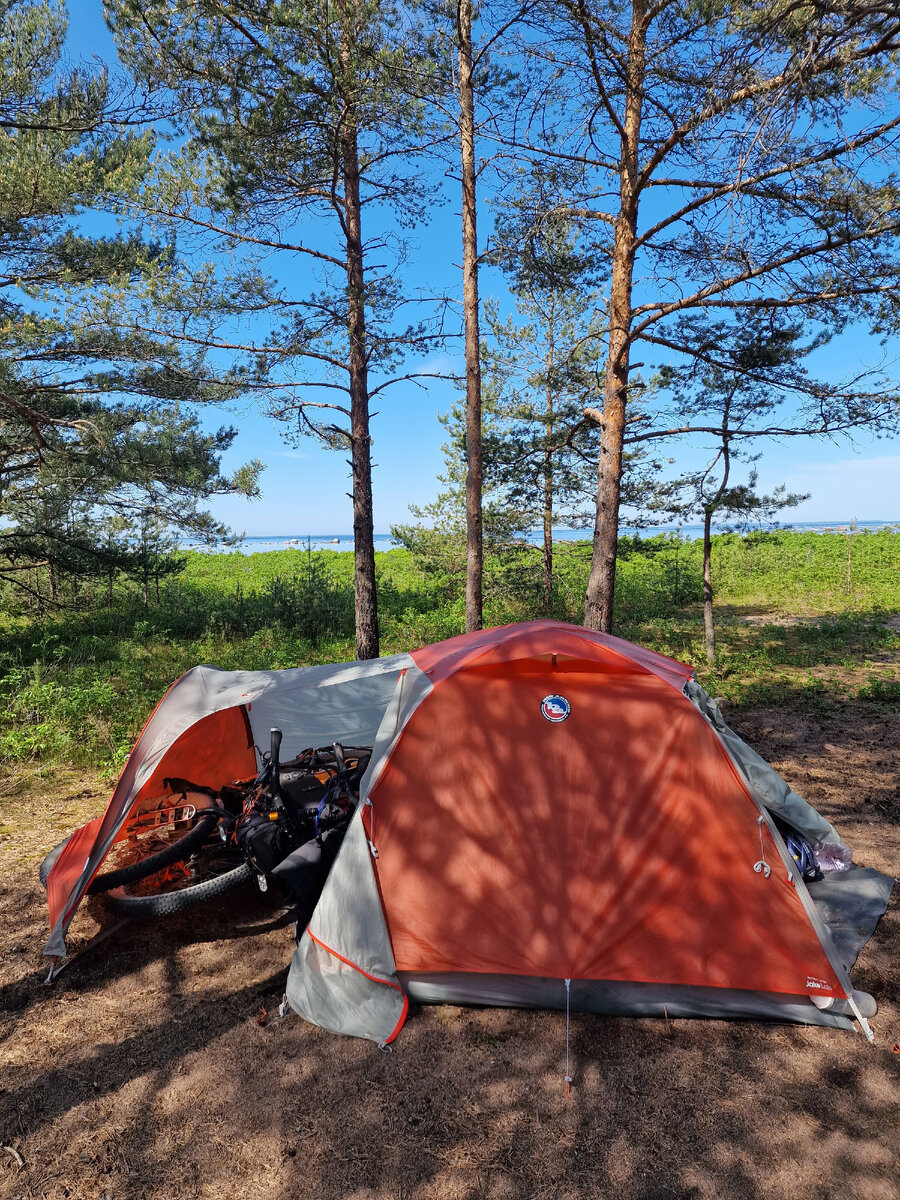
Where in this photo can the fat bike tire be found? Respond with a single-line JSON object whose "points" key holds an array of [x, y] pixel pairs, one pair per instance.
{"points": [[176, 852], [135, 871], [121, 903]]}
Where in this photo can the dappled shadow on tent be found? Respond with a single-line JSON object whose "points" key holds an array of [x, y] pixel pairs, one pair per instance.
{"points": [[618, 844]]}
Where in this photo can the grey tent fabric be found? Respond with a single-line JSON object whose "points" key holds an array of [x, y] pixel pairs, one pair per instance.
{"points": [[411, 689], [848, 904], [343, 975], [311, 705], [765, 783], [612, 998], [851, 903], [353, 987], [327, 705]]}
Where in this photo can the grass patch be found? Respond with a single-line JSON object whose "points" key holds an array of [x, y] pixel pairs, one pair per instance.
{"points": [[77, 684], [881, 691]]}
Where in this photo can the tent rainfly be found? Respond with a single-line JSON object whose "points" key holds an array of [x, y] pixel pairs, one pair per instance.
{"points": [[551, 816]]}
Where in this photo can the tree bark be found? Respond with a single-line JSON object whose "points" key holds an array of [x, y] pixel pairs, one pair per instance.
{"points": [[548, 524], [708, 625], [598, 605], [474, 459], [548, 467], [712, 507], [365, 591]]}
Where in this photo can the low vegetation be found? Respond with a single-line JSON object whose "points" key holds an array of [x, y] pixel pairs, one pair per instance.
{"points": [[802, 617], [150, 1068]]}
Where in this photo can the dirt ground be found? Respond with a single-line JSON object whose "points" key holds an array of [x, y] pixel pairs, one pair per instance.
{"points": [[145, 1072]]}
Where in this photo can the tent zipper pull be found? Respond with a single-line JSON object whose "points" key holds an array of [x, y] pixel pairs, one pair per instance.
{"points": [[762, 865], [370, 839]]}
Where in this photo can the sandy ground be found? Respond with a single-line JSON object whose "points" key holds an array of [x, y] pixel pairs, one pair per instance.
{"points": [[144, 1071]]}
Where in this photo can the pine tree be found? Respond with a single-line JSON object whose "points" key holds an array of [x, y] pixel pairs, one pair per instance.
{"points": [[95, 407], [746, 385], [544, 364], [541, 367], [304, 121], [730, 158]]}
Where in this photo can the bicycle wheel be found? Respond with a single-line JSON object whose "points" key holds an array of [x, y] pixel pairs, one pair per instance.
{"points": [[173, 846], [176, 846], [213, 871]]}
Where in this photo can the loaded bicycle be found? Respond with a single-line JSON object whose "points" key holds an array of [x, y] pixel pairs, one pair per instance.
{"points": [[194, 843]]}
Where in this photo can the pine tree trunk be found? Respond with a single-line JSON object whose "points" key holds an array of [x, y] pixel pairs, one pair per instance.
{"points": [[474, 460], [708, 625], [548, 467], [712, 506], [598, 605], [548, 532], [51, 576], [366, 597]]}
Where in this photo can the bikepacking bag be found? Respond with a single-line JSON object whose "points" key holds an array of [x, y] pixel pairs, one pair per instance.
{"points": [[263, 839], [305, 870], [305, 780], [301, 789]]}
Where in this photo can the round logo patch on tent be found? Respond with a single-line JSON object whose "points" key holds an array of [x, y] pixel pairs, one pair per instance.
{"points": [[555, 708]]}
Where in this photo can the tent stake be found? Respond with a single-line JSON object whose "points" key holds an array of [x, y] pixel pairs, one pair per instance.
{"points": [[95, 941], [863, 1023], [569, 1079]]}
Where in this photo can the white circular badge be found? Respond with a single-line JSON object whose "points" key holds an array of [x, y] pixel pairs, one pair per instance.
{"points": [[555, 708]]}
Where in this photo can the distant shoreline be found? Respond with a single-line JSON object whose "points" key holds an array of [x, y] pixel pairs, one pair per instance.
{"points": [[343, 542]]}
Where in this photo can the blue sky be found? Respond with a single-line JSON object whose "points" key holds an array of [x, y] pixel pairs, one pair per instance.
{"points": [[305, 486]]}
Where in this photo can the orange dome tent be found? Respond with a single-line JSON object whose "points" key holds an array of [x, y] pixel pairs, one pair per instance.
{"points": [[550, 816]]}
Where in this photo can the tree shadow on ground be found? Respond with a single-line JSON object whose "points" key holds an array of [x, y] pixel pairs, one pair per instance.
{"points": [[471, 1104], [842, 755], [145, 1073], [102, 949]]}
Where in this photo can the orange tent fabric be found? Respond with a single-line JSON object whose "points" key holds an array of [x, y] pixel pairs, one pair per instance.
{"points": [[214, 750], [549, 815], [616, 844]]}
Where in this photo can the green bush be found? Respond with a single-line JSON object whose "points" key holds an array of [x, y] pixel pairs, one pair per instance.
{"points": [[77, 684]]}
